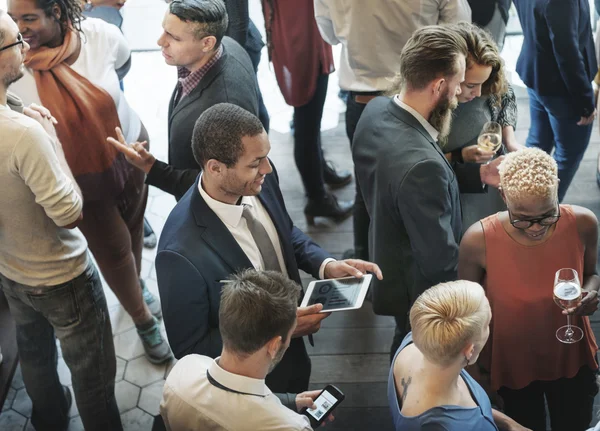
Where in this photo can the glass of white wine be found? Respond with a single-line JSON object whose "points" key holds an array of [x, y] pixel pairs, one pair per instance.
{"points": [[490, 138], [567, 294]]}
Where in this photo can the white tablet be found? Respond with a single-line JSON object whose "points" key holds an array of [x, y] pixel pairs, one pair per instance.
{"points": [[337, 294]]}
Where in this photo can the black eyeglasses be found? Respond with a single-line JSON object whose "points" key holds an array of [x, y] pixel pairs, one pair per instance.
{"points": [[19, 41], [542, 221]]}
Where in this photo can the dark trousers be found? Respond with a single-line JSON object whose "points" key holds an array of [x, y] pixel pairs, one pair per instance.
{"points": [[292, 374], [263, 114], [360, 215], [75, 312], [308, 153], [570, 402], [554, 127]]}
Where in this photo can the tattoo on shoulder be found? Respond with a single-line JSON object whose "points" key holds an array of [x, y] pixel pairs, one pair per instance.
{"points": [[405, 384]]}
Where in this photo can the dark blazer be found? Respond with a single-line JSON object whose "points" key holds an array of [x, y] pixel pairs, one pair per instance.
{"points": [[412, 196], [558, 56], [230, 80], [196, 251]]}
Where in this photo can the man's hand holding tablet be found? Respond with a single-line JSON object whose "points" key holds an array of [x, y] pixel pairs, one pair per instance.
{"points": [[338, 292]]}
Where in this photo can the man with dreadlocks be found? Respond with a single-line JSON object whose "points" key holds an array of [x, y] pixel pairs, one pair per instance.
{"points": [[71, 69]]}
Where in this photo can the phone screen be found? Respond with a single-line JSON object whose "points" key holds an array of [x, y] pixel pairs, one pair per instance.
{"points": [[324, 403]]}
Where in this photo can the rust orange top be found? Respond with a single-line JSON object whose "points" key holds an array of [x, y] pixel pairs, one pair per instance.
{"points": [[519, 284]]}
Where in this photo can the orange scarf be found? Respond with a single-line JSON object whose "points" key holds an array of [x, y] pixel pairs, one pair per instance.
{"points": [[86, 116]]}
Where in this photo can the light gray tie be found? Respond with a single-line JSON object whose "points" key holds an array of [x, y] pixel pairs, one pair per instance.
{"points": [[265, 246]]}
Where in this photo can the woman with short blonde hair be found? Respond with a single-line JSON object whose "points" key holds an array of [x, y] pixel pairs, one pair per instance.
{"points": [[515, 254], [428, 387]]}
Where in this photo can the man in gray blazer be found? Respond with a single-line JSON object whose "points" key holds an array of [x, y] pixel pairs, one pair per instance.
{"points": [[212, 68], [410, 189]]}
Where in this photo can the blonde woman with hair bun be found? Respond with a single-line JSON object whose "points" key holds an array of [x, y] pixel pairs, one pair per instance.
{"points": [[428, 388], [515, 255]]}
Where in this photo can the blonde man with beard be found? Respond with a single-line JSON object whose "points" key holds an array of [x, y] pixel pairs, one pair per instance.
{"points": [[410, 189]]}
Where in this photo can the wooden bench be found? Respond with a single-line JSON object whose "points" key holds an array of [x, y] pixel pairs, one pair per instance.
{"points": [[8, 344]]}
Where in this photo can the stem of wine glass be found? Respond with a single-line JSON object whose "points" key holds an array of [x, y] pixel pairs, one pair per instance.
{"points": [[569, 331]]}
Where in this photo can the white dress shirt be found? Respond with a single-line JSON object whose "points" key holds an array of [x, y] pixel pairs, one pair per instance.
{"points": [[428, 127], [373, 33], [231, 216], [191, 402]]}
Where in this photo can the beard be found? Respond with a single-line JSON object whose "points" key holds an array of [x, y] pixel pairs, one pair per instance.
{"points": [[13, 77], [441, 116], [278, 357]]}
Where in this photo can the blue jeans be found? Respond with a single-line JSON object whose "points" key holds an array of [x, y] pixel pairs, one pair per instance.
{"points": [[76, 313], [554, 126]]}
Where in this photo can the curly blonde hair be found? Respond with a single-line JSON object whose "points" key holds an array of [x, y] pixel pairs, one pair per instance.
{"points": [[528, 173], [446, 317], [484, 52]]}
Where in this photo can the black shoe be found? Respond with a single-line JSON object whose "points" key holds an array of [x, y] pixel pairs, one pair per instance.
{"points": [[149, 235], [330, 207], [335, 179], [598, 178]]}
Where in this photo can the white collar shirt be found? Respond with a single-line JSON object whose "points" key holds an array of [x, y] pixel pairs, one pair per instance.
{"points": [[428, 127], [371, 58], [230, 402], [231, 216]]}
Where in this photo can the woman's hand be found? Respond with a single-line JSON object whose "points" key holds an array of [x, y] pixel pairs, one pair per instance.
{"points": [[475, 154], [587, 306]]}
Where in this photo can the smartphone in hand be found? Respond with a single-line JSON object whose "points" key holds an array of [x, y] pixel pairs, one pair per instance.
{"points": [[327, 400]]}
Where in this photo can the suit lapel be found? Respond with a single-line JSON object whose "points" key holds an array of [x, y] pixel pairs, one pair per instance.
{"points": [[406, 117], [216, 234], [202, 85]]}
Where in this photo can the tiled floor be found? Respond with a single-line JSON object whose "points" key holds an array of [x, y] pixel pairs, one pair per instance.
{"points": [[351, 350]]}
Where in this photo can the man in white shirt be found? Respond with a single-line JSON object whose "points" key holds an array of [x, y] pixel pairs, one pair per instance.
{"points": [[235, 218], [410, 188], [51, 285], [372, 35], [257, 318]]}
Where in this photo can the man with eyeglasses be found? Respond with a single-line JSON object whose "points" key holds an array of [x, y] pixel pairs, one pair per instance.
{"points": [[515, 255], [52, 286]]}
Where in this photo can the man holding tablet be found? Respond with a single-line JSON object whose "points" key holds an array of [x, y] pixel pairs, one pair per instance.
{"points": [[234, 218]]}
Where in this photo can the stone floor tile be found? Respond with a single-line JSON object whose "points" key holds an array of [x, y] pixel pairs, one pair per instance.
{"points": [[64, 374], [75, 424], [150, 398], [29, 426], [127, 395], [17, 382], [146, 268], [121, 364], [162, 206], [120, 320], [22, 404], [10, 396], [137, 420], [73, 411], [128, 345], [142, 373], [12, 421]]}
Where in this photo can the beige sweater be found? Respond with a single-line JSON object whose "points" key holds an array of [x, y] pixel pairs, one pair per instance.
{"points": [[37, 197]]}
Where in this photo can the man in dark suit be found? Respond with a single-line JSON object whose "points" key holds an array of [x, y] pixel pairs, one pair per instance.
{"points": [[212, 69], [410, 188], [558, 63], [234, 218]]}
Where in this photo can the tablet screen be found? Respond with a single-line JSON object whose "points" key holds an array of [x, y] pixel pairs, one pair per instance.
{"points": [[336, 294]]}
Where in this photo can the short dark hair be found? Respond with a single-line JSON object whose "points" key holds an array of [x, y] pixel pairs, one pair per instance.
{"points": [[256, 306], [219, 131], [431, 52], [212, 14]]}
